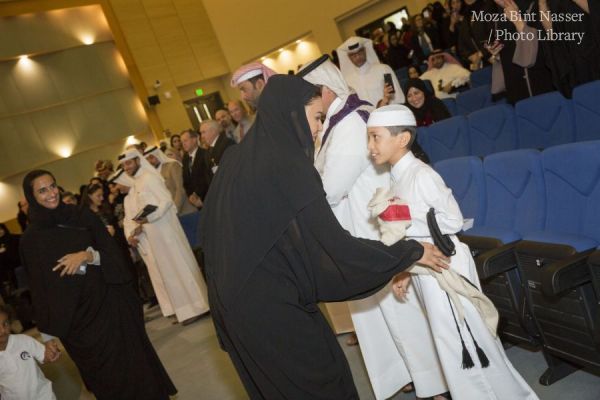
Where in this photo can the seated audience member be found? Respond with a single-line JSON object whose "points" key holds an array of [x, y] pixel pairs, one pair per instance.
{"points": [[69, 198], [425, 38], [103, 169], [425, 106], [397, 53], [224, 119], [196, 171], [176, 147], [216, 142], [93, 198], [242, 119], [172, 173], [446, 74], [9, 256], [22, 214], [413, 72], [474, 32]]}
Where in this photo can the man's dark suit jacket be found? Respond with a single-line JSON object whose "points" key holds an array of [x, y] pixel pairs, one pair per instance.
{"points": [[198, 179], [215, 153]]}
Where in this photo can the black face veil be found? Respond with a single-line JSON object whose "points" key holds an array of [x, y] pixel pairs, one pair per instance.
{"points": [[260, 186]]}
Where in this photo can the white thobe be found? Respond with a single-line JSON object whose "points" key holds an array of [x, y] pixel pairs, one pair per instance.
{"points": [[130, 208], [421, 188], [169, 249], [367, 81], [449, 73], [390, 332]]}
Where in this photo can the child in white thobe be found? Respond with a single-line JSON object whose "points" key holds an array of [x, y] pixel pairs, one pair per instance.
{"points": [[391, 132]]}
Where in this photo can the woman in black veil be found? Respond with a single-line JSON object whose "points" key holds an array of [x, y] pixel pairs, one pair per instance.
{"points": [[273, 250], [82, 294]]}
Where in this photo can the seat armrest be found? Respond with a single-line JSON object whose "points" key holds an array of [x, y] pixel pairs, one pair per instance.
{"points": [[496, 261], [566, 274], [479, 244]]}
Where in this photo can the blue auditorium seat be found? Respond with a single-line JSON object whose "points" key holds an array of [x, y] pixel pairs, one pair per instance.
{"points": [[451, 105], [481, 77], [515, 202], [544, 121], [572, 178], [401, 73], [464, 175], [447, 139], [563, 293], [492, 130], [189, 223], [423, 139], [515, 188], [587, 111], [474, 99]]}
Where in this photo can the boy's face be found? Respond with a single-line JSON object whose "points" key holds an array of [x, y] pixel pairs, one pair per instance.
{"points": [[384, 148], [4, 329]]}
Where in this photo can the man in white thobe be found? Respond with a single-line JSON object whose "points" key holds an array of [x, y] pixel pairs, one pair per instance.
{"points": [[392, 131], [393, 335], [162, 242], [172, 173], [364, 73], [445, 74]]}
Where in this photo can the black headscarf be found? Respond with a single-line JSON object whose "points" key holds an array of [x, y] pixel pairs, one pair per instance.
{"points": [[261, 185], [432, 110], [40, 216]]}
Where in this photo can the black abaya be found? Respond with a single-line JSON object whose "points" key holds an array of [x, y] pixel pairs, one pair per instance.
{"points": [[97, 315], [265, 306]]}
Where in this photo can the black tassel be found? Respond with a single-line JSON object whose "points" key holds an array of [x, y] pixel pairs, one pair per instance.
{"points": [[485, 362], [482, 357], [467, 361]]}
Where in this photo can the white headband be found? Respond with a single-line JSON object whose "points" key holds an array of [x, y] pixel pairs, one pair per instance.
{"points": [[249, 75]]}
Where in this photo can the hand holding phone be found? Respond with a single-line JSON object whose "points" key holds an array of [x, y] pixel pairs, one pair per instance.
{"points": [[387, 79]]}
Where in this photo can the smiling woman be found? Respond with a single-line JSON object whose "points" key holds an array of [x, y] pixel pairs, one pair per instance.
{"points": [[82, 294]]}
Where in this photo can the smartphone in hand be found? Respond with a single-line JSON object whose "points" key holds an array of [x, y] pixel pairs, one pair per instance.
{"points": [[387, 79]]}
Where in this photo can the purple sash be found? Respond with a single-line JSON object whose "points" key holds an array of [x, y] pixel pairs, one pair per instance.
{"points": [[352, 104]]}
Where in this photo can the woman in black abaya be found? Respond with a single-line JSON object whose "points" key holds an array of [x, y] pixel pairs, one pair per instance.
{"points": [[92, 309], [273, 250]]}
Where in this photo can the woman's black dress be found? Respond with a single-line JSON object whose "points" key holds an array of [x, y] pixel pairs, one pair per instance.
{"points": [[274, 249], [97, 316]]}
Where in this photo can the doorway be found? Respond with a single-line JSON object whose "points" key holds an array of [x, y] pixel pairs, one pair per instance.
{"points": [[202, 108]]}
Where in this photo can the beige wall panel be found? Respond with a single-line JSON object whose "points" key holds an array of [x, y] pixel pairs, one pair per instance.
{"points": [[159, 8], [248, 29], [127, 10], [52, 31], [70, 173]]}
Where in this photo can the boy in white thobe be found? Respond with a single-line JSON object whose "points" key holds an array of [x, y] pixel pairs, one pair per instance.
{"points": [[393, 335], [391, 131]]}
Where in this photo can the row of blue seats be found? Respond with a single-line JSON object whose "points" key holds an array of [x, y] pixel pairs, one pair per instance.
{"points": [[538, 122], [535, 240], [551, 196]]}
